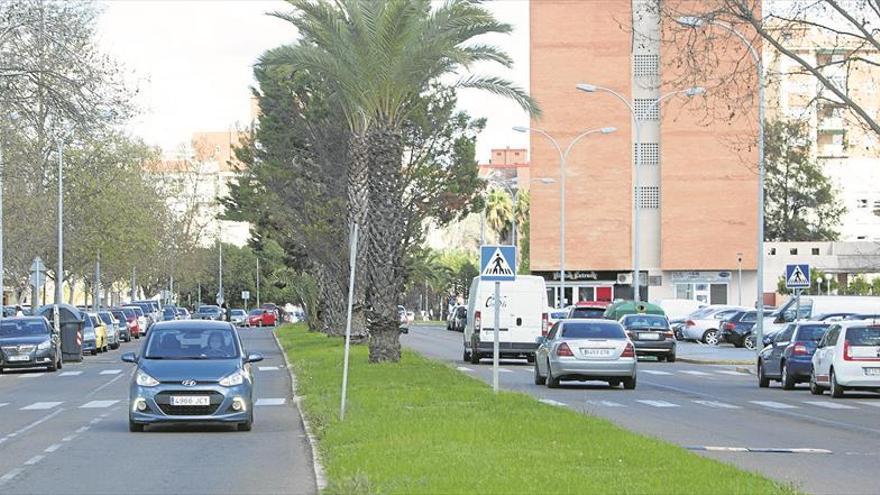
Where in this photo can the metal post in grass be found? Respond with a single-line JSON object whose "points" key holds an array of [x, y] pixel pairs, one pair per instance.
{"points": [[495, 343], [352, 250]]}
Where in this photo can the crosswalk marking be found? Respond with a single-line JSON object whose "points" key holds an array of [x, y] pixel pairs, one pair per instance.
{"points": [[716, 404], [268, 368], [605, 403], [270, 402], [33, 460], [70, 373], [731, 372], [655, 372], [52, 448], [4, 404], [111, 372], [828, 405], [98, 404], [657, 403], [773, 405], [694, 372], [870, 403], [40, 406]]}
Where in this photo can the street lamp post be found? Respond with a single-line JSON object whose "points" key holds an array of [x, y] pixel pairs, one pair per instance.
{"points": [[59, 276], [637, 124], [696, 22], [739, 283], [562, 158], [2, 292]]}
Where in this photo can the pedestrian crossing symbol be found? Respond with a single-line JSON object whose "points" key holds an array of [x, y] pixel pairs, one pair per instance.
{"points": [[497, 263], [797, 276]]}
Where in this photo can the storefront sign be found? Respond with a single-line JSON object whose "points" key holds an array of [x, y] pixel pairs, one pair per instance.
{"points": [[700, 277]]}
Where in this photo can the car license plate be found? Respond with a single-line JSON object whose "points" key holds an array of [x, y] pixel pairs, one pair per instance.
{"points": [[596, 352], [872, 371], [190, 400], [649, 336], [19, 358]]}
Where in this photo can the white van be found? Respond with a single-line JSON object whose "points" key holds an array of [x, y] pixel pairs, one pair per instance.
{"points": [[523, 319], [815, 307]]}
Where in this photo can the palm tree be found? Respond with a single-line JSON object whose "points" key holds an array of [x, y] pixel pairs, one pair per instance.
{"points": [[499, 212], [380, 57], [521, 207]]}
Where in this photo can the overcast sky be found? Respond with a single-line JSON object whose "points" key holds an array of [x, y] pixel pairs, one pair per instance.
{"points": [[191, 60]]}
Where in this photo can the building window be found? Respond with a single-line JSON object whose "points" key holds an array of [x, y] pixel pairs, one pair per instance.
{"points": [[861, 203], [650, 153], [646, 65], [646, 109], [772, 251], [792, 251], [648, 197], [815, 251]]}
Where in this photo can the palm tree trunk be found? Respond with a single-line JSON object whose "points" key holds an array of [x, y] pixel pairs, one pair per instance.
{"points": [[332, 300], [358, 213], [385, 231]]}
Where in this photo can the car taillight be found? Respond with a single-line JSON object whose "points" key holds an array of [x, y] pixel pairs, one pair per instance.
{"points": [[690, 323], [729, 326], [564, 350], [847, 351], [545, 324], [629, 351], [799, 349], [669, 334], [478, 321]]}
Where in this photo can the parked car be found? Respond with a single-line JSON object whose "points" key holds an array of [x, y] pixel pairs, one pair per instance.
{"points": [[587, 309], [101, 332], [459, 318], [523, 317], [191, 371], [28, 342], [169, 313], [126, 329], [831, 317], [183, 314], [209, 312], [94, 341], [239, 317], [261, 318], [113, 331], [150, 310], [789, 357], [583, 349], [737, 329], [143, 322], [651, 336], [813, 306], [847, 358], [618, 309], [704, 324]]}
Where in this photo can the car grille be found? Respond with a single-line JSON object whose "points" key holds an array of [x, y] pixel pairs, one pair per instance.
{"points": [[14, 350], [163, 400]]}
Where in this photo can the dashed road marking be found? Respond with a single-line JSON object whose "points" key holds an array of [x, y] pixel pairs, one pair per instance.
{"points": [[731, 373], [31, 375], [33, 460], [464, 368], [70, 373], [773, 405], [504, 370], [69, 438], [82, 429], [52, 448], [870, 403], [605, 403], [552, 402], [655, 372], [716, 404], [657, 403], [269, 368], [38, 406], [110, 372], [694, 372], [11, 474], [98, 404], [828, 405], [2, 404], [270, 402]]}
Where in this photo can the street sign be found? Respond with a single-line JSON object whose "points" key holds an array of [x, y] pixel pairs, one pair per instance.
{"points": [[245, 294], [797, 276], [37, 265], [38, 273], [220, 298], [497, 263]]}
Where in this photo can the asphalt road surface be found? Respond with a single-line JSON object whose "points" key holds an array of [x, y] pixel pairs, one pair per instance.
{"points": [[699, 406], [67, 433]]}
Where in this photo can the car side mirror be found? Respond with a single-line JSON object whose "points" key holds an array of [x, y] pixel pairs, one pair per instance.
{"points": [[129, 357], [254, 358]]}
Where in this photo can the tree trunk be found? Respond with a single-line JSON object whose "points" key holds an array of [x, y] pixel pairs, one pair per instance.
{"points": [[333, 301], [359, 213], [385, 232]]}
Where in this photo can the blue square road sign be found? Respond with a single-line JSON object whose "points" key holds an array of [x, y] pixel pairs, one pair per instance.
{"points": [[797, 276], [497, 263]]}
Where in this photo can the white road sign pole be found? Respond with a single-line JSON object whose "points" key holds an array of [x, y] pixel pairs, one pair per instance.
{"points": [[495, 344], [351, 263]]}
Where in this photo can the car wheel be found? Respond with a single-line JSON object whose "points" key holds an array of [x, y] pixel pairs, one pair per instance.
{"points": [[629, 383], [836, 389], [613, 383], [465, 356], [763, 381], [552, 381], [749, 343], [670, 358], [53, 366], [787, 379], [115, 346], [815, 389], [95, 352], [60, 360], [135, 427], [539, 380], [475, 356], [247, 425], [530, 358], [710, 337]]}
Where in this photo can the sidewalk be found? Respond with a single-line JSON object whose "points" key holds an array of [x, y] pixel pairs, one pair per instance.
{"points": [[691, 352]]}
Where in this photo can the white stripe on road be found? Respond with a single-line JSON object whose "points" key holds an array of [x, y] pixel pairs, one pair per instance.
{"points": [[31, 375], [552, 402], [269, 368], [4, 404], [773, 405], [504, 370], [463, 368], [70, 373], [726, 449], [37, 406], [111, 372], [28, 427], [716, 404], [657, 403], [605, 403], [33, 460], [696, 373], [270, 402], [98, 404], [828, 405], [655, 372], [11, 474], [69, 438], [52, 448], [870, 403], [731, 372], [82, 429]]}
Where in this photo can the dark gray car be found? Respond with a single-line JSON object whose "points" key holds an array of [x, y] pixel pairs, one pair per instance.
{"points": [[29, 342], [651, 335]]}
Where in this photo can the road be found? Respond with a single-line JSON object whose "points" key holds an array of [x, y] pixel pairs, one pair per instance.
{"points": [[67, 433], [700, 406]]}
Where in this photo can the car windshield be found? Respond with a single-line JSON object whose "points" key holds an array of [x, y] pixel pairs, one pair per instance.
{"points": [[863, 336], [137, 311], [238, 312], [558, 315], [168, 312], [587, 313], [811, 332], [256, 312], [208, 309], [106, 318], [645, 321], [95, 322], [701, 313], [582, 330], [22, 328], [197, 343]]}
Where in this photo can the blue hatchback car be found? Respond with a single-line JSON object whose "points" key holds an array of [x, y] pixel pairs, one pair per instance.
{"points": [[191, 371], [789, 356]]}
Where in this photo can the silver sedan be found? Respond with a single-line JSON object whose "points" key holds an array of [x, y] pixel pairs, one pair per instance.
{"points": [[586, 349]]}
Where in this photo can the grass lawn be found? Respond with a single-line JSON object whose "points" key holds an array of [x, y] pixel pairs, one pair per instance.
{"points": [[420, 426]]}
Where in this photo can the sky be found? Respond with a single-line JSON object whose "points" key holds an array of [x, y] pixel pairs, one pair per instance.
{"points": [[191, 63]]}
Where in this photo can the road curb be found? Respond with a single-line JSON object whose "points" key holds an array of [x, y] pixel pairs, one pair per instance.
{"points": [[745, 369], [713, 361], [320, 479]]}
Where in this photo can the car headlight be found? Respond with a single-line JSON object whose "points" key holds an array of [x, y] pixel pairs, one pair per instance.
{"points": [[232, 380], [42, 346], [145, 380]]}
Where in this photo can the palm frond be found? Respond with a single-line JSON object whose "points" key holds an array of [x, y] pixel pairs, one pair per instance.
{"points": [[502, 87]]}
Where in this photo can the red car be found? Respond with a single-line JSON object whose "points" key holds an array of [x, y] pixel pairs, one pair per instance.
{"points": [[261, 318], [134, 328]]}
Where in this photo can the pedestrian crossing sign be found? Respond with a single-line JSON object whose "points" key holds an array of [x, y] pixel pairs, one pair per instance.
{"points": [[497, 263], [797, 276]]}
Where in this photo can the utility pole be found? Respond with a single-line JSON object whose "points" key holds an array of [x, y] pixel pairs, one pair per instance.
{"points": [[2, 292], [133, 282], [258, 281], [60, 270], [96, 290]]}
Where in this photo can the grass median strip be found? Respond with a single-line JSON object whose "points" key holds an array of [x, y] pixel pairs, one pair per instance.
{"points": [[420, 426]]}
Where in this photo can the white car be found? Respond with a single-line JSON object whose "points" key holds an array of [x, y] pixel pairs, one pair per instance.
{"points": [[704, 324], [847, 358]]}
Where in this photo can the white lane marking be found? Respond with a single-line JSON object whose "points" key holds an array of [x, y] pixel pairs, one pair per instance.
{"points": [[828, 405], [4, 404], [716, 404], [810, 451], [98, 404], [605, 403], [773, 405], [731, 372], [269, 368], [870, 403], [37, 406], [102, 387], [33, 460], [552, 402], [70, 373], [463, 368], [726, 449], [31, 375], [655, 372], [96, 421], [110, 372], [11, 474], [52, 448], [504, 370], [657, 403], [28, 427], [695, 373], [69, 438], [270, 402], [82, 429]]}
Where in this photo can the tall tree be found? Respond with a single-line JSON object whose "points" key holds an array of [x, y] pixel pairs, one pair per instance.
{"points": [[499, 212]]}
